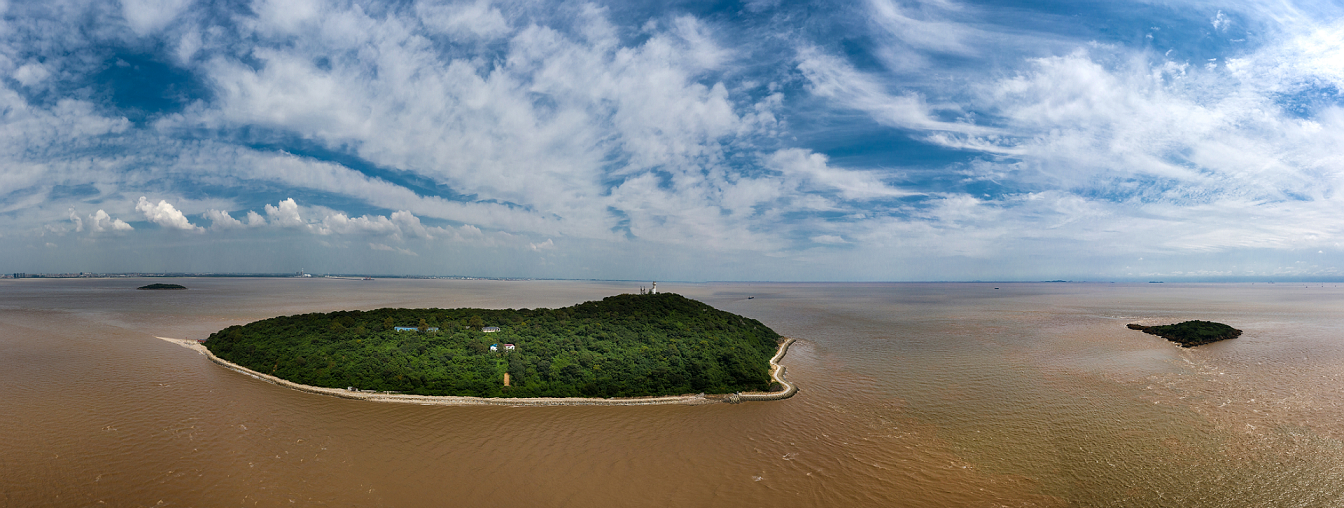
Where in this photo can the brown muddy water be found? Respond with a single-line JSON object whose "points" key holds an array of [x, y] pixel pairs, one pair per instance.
{"points": [[912, 395]]}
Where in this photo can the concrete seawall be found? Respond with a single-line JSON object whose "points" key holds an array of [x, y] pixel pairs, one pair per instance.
{"points": [[789, 388], [444, 400]]}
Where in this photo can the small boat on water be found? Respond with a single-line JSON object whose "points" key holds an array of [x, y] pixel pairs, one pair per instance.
{"points": [[368, 278], [751, 298]]}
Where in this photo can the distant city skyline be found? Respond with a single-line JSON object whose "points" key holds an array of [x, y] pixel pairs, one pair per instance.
{"points": [[877, 140]]}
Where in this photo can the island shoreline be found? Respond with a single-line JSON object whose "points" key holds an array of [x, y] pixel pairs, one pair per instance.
{"points": [[777, 373]]}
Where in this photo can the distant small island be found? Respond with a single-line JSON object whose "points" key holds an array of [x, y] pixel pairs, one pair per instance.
{"points": [[622, 346], [1191, 333], [163, 286]]}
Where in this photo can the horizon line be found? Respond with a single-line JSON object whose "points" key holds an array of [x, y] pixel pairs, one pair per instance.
{"points": [[301, 274]]}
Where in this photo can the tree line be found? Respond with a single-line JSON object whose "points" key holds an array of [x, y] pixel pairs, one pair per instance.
{"points": [[621, 346]]}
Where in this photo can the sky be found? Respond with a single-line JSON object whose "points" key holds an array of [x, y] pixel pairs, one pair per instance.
{"points": [[868, 140]]}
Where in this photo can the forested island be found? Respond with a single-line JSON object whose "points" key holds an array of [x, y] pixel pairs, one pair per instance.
{"points": [[1191, 333], [163, 286], [621, 346]]}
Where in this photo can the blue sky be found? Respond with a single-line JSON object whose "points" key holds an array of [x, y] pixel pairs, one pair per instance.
{"points": [[759, 140]]}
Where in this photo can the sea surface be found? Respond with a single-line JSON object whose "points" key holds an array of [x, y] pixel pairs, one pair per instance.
{"points": [[911, 395]]}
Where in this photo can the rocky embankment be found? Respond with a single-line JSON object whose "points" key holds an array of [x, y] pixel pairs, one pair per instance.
{"points": [[776, 373]]}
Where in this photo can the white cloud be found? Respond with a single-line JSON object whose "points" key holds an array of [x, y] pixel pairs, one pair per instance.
{"points": [[565, 132], [285, 16], [31, 74], [812, 171], [100, 222], [188, 44], [829, 239], [285, 214], [920, 28], [398, 250], [530, 137], [1082, 125], [408, 224], [164, 214], [221, 220], [463, 20], [339, 223], [1220, 22], [837, 80], [79, 224], [147, 16]]}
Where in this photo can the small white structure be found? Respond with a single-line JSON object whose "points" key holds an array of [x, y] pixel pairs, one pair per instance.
{"points": [[654, 290], [490, 329], [509, 347], [494, 347]]}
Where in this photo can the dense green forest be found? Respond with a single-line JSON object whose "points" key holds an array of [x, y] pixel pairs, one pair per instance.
{"points": [[1192, 333], [622, 346]]}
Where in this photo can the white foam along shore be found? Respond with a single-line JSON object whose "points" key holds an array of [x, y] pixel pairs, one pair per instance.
{"points": [[777, 372]]}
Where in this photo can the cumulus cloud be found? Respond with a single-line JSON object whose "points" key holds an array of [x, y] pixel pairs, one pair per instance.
{"points": [[100, 222], [408, 224], [284, 214], [165, 214], [222, 220]]}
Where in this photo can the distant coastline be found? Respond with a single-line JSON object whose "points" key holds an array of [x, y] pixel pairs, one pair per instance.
{"points": [[777, 373]]}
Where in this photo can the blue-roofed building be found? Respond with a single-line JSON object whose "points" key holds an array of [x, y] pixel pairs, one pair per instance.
{"points": [[494, 347]]}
